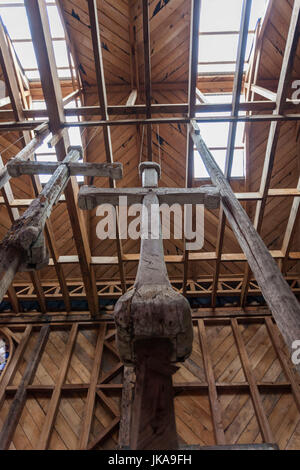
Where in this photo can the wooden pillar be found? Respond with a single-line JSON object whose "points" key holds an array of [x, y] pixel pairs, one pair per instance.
{"points": [[153, 418]]}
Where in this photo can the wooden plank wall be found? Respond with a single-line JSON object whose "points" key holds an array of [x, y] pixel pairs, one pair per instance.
{"points": [[238, 386]]}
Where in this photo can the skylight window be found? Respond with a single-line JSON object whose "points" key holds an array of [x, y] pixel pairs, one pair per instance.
{"points": [[215, 136], [220, 23], [15, 20], [219, 33]]}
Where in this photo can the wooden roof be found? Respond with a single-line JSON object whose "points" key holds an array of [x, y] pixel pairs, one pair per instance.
{"points": [[122, 48]]}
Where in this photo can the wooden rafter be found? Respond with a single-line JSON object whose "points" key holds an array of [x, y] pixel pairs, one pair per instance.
{"points": [[147, 74], [192, 96], [39, 25], [236, 96], [95, 31]]}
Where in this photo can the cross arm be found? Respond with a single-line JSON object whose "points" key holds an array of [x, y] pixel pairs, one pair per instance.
{"points": [[91, 197], [110, 170]]}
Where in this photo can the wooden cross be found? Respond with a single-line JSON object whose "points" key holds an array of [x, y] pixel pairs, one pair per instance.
{"points": [[154, 322], [24, 248]]}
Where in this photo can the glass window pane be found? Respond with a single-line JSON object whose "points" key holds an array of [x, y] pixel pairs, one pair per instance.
{"points": [[238, 165], [26, 55], [220, 15], [56, 27], [60, 53], [33, 75], [257, 11], [16, 22], [222, 47]]}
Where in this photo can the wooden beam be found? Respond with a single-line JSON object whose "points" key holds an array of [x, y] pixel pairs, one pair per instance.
{"points": [[90, 402], [192, 94], [39, 26], [147, 74], [17, 168], [126, 408], [262, 419], [52, 410], [25, 153], [277, 293], [273, 138], [236, 97], [17, 405], [212, 389], [95, 32]]}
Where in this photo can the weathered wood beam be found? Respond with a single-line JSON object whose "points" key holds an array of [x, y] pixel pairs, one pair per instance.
{"points": [[126, 408], [277, 293], [274, 133], [153, 417], [245, 196], [18, 168], [24, 246], [11, 79], [40, 31], [136, 109], [89, 198], [26, 153]]}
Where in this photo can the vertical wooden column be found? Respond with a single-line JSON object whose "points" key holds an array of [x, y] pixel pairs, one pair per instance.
{"points": [[153, 419]]}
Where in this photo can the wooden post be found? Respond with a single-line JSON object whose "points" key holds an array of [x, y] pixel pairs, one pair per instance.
{"points": [[282, 302], [153, 424]]}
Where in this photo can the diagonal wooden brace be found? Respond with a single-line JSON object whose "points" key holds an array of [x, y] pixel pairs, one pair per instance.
{"points": [[41, 133], [25, 239]]}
